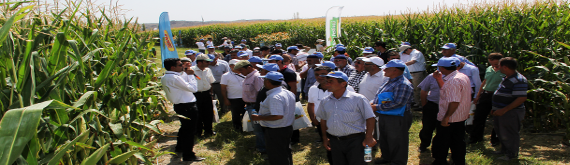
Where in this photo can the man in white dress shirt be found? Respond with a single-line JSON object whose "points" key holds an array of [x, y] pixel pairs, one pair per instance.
{"points": [[203, 95], [416, 63], [232, 91], [179, 92]]}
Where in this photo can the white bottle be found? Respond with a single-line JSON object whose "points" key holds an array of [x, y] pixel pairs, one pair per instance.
{"points": [[368, 154], [254, 112]]}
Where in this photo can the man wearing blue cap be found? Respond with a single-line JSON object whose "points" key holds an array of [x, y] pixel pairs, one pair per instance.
{"points": [[454, 103], [308, 72], [191, 55], [218, 68], [449, 50], [276, 115], [201, 46], [205, 79], [254, 61], [341, 62], [341, 50], [243, 55], [394, 130], [347, 121], [293, 51], [368, 51], [290, 77]]}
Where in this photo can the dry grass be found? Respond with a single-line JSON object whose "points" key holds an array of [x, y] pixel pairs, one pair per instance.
{"points": [[231, 147]]}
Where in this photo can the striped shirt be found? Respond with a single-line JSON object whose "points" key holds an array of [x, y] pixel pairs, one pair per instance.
{"points": [[402, 94], [355, 78], [346, 115], [346, 70], [456, 88], [279, 101], [251, 85], [510, 89]]}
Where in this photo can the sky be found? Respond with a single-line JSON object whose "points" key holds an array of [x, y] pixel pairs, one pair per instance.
{"points": [[148, 11]]}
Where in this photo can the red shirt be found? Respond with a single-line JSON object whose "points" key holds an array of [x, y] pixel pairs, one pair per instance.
{"points": [[456, 88]]}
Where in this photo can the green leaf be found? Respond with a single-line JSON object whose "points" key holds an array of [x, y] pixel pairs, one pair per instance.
{"points": [[61, 151], [84, 98], [94, 158], [122, 158], [18, 126], [8, 24]]}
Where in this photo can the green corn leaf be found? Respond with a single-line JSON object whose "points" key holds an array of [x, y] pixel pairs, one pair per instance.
{"points": [[8, 24], [94, 158], [123, 157], [18, 126], [61, 151]]}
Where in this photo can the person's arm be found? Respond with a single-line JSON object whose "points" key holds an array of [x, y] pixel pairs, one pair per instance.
{"points": [[478, 95], [225, 94], [438, 78], [423, 96], [400, 96], [293, 85], [476, 80], [311, 110], [450, 110], [514, 104], [324, 129], [191, 86], [411, 62], [369, 139], [304, 74]]}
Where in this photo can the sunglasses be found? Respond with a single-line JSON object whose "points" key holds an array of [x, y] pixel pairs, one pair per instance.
{"points": [[370, 64]]}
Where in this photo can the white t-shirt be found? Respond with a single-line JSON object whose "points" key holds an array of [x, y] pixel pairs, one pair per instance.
{"points": [[316, 95], [370, 84], [249, 53], [210, 43], [200, 45], [234, 84], [319, 47], [420, 64]]}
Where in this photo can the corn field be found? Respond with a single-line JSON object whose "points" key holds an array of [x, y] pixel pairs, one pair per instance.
{"points": [[76, 88], [536, 33]]}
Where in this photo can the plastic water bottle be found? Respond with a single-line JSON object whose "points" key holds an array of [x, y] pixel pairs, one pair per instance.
{"points": [[368, 154], [254, 112]]}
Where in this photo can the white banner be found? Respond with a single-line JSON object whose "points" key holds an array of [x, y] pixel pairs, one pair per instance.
{"points": [[333, 25]]}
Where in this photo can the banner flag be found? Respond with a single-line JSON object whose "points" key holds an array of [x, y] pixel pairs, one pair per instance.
{"points": [[167, 48], [333, 25]]}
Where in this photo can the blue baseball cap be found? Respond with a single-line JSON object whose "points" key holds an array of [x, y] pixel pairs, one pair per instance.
{"points": [[255, 59], [338, 45], [201, 39], [340, 48], [275, 57], [327, 63], [337, 74], [319, 54], [211, 56], [210, 47], [406, 43], [368, 50], [189, 52], [293, 48], [243, 40], [242, 45], [340, 57], [395, 63], [449, 46], [238, 47], [242, 53], [273, 75], [448, 62], [278, 45], [269, 67]]}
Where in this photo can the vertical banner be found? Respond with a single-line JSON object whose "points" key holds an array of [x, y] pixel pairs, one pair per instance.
{"points": [[167, 48], [333, 25]]}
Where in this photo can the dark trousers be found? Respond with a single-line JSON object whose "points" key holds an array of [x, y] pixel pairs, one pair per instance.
{"points": [[185, 139], [329, 154], [348, 151], [481, 114], [508, 129], [450, 137], [202, 50], [205, 107], [429, 123], [394, 137], [238, 109], [277, 141], [218, 92], [295, 136]]}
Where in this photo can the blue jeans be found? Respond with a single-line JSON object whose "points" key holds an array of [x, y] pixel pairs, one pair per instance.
{"points": [[258, 131]]}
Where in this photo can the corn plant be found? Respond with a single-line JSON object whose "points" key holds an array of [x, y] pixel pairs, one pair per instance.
{"points": [[76, 88]]}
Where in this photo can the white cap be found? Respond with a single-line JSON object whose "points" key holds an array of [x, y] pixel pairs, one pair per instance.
{"points": [[185, 59], [233, 61], [376, 60]]}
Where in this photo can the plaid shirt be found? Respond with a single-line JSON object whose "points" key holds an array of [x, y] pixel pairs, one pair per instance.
{"points": [[346, 70], [402, 92], [355, 78]]}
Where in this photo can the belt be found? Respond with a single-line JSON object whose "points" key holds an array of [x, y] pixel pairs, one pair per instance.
{"points": [[216, 83], [345, 137], [491, 92]]}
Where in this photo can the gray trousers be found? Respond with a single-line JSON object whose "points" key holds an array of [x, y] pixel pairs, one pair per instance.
{"points": [[418, 77], [394, 137], [508, 129], [218, 92]]}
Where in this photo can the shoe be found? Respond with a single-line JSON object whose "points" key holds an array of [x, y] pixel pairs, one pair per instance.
{"points": [[422, 150], [195, 159], [505, 158], [382, 161]]}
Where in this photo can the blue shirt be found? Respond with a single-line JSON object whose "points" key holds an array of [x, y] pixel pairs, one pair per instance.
{"points": [[279, 101], [430, 85], [402, 94], [310, 80], [346, 115], [463, 59]]}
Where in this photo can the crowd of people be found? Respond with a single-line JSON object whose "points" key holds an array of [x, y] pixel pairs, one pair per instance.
{"points": [[353, 103]]}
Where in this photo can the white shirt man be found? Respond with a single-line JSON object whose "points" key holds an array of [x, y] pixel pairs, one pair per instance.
{"points": [[201, 45], [373, 79]]}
